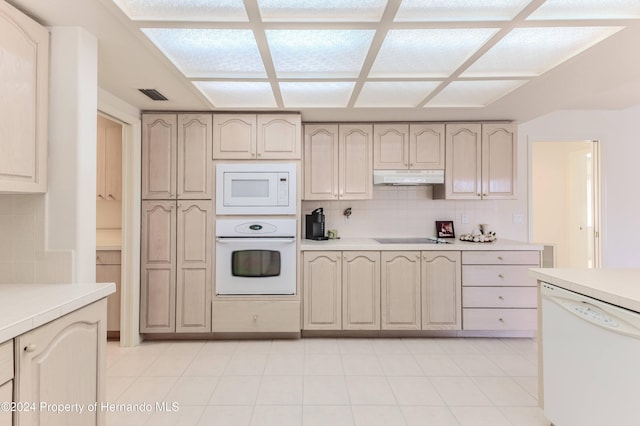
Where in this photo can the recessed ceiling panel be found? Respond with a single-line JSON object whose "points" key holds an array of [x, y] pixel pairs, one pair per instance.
{"points": [[237, 94], [209, 53], [473, 93], [587, 9], [427, 53], [318, 53], [459, 10], [381, 94], [533, 51], [184, 10], [316, 94], [321, 10]]}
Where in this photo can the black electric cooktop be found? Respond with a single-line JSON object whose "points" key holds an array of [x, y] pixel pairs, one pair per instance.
{"points": [[411, 240]]}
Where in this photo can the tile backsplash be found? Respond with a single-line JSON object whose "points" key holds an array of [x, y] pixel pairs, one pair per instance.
{"points": [[23, 258], [404, 211]]}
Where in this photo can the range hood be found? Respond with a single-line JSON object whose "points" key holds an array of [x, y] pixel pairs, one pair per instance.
{"points": [[408, 177]]}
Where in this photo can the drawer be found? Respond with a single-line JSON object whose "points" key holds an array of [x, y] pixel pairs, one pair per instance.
{"points": [[499, 319], [501, 258], [108, 257], [500, 297], [6, 395], [496, 276], [6, 361], [256, 316]]}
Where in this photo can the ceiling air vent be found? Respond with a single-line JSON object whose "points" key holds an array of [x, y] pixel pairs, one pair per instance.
{"points": [[154, 94]]}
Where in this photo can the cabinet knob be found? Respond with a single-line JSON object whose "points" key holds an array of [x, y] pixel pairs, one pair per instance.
{"points": [[111, 196], [30, 347], [500, 297], [406, 164], [500, 276], [500, 319], [478, 194], [255, 318]]}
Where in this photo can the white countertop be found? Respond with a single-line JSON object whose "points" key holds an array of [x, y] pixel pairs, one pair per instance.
{"points": [[24, 307], [371, 244], [619, 287], [108, 239]]}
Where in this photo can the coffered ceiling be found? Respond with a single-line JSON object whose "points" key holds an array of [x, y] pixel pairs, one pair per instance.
{"points": [[356, 59]]}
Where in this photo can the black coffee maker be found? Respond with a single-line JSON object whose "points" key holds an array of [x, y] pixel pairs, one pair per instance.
{"points": [[315, 225]]}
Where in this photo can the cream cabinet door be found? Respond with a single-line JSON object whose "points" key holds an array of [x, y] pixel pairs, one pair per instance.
{"points": [[24, 80], [63, 362], [463, 161], [320, 162], [194, 164], [159, 146], [322, 287], [426, 146], [279, 136], [356, 162], [498, 161], [400, 290], [194, 257], [441, 290], [390, 146], [109, 163], [361, 290], [108, 270], [234, 136], [158, 267]]}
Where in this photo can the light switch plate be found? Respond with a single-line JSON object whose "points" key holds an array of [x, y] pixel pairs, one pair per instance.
{"points": [[464, 218]]}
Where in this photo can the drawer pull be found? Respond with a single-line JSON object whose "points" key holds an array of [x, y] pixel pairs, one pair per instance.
{"points": [[500, 319], [500, 258], [30, 347], [500, 297], [255, 318], [500, 276]]}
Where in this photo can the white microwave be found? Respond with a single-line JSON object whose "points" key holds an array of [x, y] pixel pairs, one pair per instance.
{"points": [[255, 188]]}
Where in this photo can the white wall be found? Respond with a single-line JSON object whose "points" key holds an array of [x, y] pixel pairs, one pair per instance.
{"points": [[70, 199], [620, 149]]}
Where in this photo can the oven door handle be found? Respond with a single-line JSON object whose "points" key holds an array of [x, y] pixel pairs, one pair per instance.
{"points": [[254, 240]]}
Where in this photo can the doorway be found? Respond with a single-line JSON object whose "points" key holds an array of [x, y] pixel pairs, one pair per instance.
{"points": [[565, 202]]}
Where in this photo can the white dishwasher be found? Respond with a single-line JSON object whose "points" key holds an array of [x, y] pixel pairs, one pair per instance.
{"points": [[591, 360]]}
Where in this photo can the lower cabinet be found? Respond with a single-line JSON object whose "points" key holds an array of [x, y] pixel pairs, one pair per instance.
{"points": [[389, 290], [400, 283], [341, 290], [108, 270], [274, 316], [441, 290], [361, 290], [176, 258], [498, 293], [62, 362]]}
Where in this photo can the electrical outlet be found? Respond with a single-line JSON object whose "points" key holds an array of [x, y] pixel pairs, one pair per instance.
{"points": [[518, 219], [464, 218]]}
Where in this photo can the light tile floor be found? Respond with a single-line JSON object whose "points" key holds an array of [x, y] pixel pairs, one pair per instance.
{"points": [[312, 381]]}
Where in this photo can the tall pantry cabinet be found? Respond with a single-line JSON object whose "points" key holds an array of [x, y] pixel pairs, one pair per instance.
{"points": [[177, 228]]}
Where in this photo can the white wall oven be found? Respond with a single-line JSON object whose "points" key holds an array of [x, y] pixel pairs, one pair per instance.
{"points": [[255, 189], [256, 256]]}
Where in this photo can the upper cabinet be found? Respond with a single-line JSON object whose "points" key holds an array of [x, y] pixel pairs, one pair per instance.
{"points": [[480, 161], [261, 136], [24, 78], [109, 166], [176, 156], [416, 146], [338, 162]]}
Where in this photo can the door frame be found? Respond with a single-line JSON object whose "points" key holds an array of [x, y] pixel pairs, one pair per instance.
{"points": [[597, 191], [126, 115]]}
